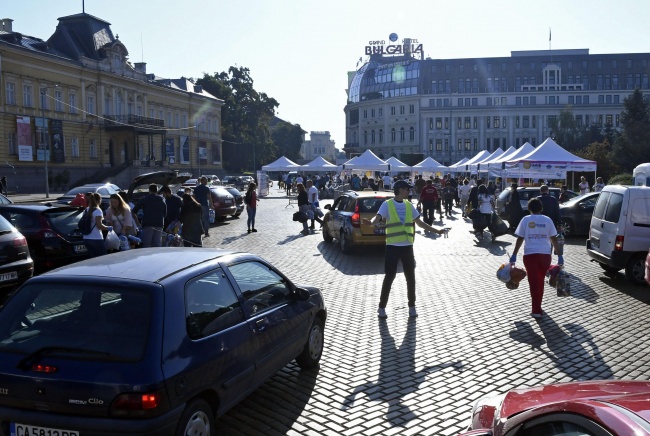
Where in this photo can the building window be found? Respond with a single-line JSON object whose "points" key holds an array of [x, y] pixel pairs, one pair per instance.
{"points": [[497, 122], [489, 101], [90, 104], [608, 120], [27, 96], [92, 149], [468, 144], [11, 143], [118, 105], [476, 122], [488, 122], [72, 99], [525, 121], [459, 123], [392, 134], [608, 99], [430, 144], [372, 136], [571, 99], [430, 123], [365, 137], [107, 105], [618, 121], [402, 134], [392, 110], [475, 144], [381, 136], [184, 121], [152, 113], [411, 108], [412, 134], [517, 122], [446, 144], [468, 122], [534, 117], [401, 109], [10, 94], [365, 113], [439, 123], [44, 98], [503, 122], [459, 146], [74, 147], [58, 101], [372, 113], [381, 111], [438, 144]]}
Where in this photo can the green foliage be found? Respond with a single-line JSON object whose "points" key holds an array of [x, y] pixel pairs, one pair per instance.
{"points": [[601, 152], [288, 139], [621, 179], [632, 147], [245, 118], [573, 137]]}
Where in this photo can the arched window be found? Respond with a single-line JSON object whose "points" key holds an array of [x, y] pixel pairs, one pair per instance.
{"points": [[402, 134], [392, 134], [412, 134]]}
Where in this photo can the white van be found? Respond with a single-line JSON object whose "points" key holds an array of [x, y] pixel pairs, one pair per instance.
{"points": [[641, 175], [619, 235]]}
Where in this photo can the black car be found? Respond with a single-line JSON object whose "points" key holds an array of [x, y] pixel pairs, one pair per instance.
{"points": [[52, 233], [139, 187], [576, 214], [16, 265], [239, 199], [223, 202], [525, 194], [150, 341]]}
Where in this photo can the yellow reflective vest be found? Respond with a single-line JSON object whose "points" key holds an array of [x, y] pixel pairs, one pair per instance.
{"points": [[396, 231]]}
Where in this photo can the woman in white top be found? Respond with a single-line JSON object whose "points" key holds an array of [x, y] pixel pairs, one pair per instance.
{"points": [[463, 193], [599, 184], [485, 205], [94, 241], [119, 216], [584, 185]]}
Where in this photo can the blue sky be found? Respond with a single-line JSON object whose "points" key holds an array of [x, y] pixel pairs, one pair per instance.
{"points": [[299, 52]]}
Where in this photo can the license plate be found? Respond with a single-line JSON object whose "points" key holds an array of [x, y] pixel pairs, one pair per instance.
{"points": [[8, 276], [80, 248], [17, 429], [228, 201]]}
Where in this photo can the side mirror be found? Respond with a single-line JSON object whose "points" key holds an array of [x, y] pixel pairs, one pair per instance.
{"points": [[327, 206], [302, 294]]}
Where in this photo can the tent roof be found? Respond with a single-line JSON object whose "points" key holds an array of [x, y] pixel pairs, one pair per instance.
{"points": [[319, 164], [521, 151], [550, 151], [367, 161], [459, 163], [495, 155], [479, 157], [397, 165], [282, 164], [429, 164]]}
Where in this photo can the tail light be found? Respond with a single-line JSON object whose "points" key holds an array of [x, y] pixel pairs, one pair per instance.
{"points": [[47, 233], [136, 405], [618, 244], [20, 241], [355, 219]]}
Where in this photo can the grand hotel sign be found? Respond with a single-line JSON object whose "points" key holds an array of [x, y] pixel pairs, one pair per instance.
{"points": [[407, 46]]}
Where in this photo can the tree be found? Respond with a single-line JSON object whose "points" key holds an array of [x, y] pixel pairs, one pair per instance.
{"points": [[245, 118], [564, 129], [633, 145], [601, 152], [288, 139]]}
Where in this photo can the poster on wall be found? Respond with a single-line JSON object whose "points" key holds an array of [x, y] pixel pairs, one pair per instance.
{"points": [[42, 127], [185, 149], [24, 137], [169, 150], [57, 150], [203, 153]]}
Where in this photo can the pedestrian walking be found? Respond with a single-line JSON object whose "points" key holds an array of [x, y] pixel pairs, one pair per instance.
{"points": [[250, 198], [538, 235], [154, 210], [399, 217], [303, 205], [584, 185], [550, 206], [312, 195], [174, 204], [448, 194], [463, 193], [204, 198], [428, 199], [513, 207], [3, 184], [94, 241], [485, 205], [191, 215]]}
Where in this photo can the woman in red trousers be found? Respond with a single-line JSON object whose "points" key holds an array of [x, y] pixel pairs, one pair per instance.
{"points": [[538, 231]]}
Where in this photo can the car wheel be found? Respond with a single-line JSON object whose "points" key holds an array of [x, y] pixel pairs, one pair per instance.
{"points": [[635, 269], [327, 237], [197, 419], [609, 269], [344, 243], [314, 347], [567, 227]]}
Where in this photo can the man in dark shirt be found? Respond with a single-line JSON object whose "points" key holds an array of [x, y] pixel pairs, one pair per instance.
{"points": [[203, 197], [174, 203], [550, 205], [154, 209]]}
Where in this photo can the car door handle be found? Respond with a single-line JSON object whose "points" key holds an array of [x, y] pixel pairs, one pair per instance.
{"points": [[260, 324]]}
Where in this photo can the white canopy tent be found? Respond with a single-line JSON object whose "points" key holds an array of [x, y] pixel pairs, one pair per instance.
{"points": [[282, 164], [548, 160], [367, 161], [397, 165], [498, 161], [318, 165], [483, 164], [429, 165], [499, 164], [458, 166], [476, 159]]}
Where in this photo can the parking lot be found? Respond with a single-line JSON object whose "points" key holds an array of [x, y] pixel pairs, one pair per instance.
{"points": [[473, 336]]}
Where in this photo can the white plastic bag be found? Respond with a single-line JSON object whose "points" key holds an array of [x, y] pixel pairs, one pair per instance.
{"points": [[112, 241]]}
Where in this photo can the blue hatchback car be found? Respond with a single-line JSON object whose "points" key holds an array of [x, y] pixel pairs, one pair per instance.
{"points": [[149, 341]]}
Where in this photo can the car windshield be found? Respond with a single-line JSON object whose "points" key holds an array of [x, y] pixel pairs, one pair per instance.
{"points": [[65, 222], [88, 322], [80, 190], [370, 205]]}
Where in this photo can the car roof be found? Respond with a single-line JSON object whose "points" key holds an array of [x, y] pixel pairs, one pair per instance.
{"points": [[365, 194], [37, 207], [145, 264]]}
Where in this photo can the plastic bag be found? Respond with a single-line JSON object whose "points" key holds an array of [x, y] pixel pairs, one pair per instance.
{"points": [[124, 243], [112, 241], [212, 216]]}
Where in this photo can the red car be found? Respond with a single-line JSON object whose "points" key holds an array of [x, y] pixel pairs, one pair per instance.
{"points": [[603, 407]]}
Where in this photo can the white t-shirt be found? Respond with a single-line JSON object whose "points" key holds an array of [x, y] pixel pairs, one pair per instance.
{"points": [[95, 233], [485, 203], [312, 194], [298, 179], [463, 190], [584, 187], [387, 179], [536, 230], [400, 208]]}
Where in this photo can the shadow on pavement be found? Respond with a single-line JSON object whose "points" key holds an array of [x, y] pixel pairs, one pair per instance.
{"points": [[284, 397], [355, 263], [621, 284], [397, 376], [571, 348]]}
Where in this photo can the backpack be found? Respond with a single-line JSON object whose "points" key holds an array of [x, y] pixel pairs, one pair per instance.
{"points": [[248, 197], [86, 224]]}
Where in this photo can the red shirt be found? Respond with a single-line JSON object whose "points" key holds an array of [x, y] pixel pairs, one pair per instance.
{"points": [[429, 193]]}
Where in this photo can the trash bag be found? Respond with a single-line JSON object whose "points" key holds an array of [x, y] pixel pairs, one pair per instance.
{"points": [[480, 222], [112, 241], [496, 226]]}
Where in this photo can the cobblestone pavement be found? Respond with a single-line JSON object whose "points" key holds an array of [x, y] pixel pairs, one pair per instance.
{"points": [[473, 335]]}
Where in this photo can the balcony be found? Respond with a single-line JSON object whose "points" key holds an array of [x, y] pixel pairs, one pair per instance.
{"points": [[133, 123]]}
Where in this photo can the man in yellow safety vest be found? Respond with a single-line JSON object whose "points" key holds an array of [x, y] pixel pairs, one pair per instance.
{"points": [[400, 216]]}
